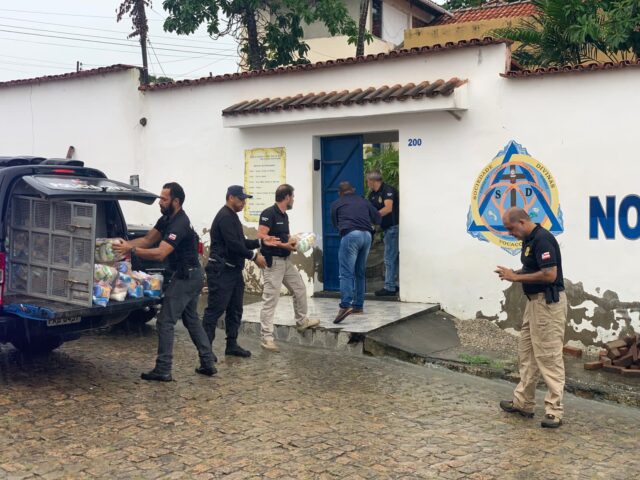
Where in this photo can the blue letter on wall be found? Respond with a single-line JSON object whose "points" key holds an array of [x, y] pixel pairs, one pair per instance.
{"points": [[597, 215], [628, 202]]}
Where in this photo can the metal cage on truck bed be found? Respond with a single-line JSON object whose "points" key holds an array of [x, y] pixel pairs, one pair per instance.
{"points": [[51, 249]]}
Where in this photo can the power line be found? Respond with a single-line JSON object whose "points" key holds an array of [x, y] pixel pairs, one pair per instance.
{"points": [[133, 42], [156, 55], [109, 43], [62, 14], [177, 38]]}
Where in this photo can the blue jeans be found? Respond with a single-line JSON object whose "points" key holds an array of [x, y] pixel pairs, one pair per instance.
{"points": [[352, 256], [391, 258]]}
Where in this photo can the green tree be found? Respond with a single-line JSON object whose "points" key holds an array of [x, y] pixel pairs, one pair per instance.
{"points": [[576, 31], [269, 31], [386, 159]]}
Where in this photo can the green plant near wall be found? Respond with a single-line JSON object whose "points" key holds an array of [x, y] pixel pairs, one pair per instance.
{"points": [[387, 160]]}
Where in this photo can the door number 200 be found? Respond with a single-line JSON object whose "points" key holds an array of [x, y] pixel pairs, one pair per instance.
{"points": [[415, 142]]}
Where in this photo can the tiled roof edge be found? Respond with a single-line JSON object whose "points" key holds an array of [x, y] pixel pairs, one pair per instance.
{"points": [[591, 67], [328, 64], [67, 76]]}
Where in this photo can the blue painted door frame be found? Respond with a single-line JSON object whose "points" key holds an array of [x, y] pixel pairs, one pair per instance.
{"points": [[341, 159]]}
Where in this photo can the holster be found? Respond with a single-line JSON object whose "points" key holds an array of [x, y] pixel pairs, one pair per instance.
{"points": [[269, 260], [552, 294]]}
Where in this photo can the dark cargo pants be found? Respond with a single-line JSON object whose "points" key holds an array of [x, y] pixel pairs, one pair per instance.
{"points": [[181, 301], [226, 292]]}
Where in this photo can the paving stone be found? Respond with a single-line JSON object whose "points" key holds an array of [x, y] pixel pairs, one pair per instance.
{"points": [[83, 412]]}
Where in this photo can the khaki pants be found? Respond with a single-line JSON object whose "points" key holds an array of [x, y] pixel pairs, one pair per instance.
{"points": [[281, 272], [540, 352]]}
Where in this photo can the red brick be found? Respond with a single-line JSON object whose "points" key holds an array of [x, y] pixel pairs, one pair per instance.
{"points": [[630, 373], [572, 351], [593, 365], [612, 369]]}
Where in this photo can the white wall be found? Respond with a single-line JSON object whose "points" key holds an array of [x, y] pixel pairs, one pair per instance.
{"points": [[579, 126]]}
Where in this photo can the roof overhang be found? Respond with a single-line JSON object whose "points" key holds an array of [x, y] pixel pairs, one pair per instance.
{"points": [[457, 100]]}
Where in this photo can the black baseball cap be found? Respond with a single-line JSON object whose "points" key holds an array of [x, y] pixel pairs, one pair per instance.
{"points": [[238, 191]]}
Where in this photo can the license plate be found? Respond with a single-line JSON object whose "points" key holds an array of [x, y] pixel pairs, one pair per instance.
{"points": [[55, 322]]}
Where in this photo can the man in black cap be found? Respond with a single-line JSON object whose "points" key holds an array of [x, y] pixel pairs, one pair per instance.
{"points": [[177, 240], [228, 251]]}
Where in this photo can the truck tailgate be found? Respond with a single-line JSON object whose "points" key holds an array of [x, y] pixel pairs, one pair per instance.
{"points": [[47, 310]]}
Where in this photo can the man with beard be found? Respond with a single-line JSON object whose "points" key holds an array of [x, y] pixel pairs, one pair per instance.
{"points": [[176, 239], [280, 270], [228, 251]]}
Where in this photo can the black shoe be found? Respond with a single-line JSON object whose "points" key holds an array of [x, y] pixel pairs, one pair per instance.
{"points": [[342, 314], [208, 371], [158, 377], [385, 293], [551, 421], [237, 351], [507, 406]]}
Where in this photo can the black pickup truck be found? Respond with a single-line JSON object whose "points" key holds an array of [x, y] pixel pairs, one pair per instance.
{"points": [[51, 212]]}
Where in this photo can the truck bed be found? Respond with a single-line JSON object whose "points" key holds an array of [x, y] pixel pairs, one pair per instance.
{"points": [[63, 310]]}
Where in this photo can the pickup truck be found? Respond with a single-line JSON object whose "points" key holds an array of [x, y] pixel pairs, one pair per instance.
{"points": [[51, 212]]}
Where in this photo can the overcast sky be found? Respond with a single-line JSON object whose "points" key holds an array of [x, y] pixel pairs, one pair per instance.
{"points": [[46, 37]]}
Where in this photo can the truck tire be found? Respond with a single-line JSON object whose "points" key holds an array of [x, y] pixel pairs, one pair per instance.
{"points": [[140, 317], [37, 345]]}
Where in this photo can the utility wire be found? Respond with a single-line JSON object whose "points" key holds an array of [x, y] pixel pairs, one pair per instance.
{"points": [[156, 55], [110, 43], [132, 42], [177, 37]]}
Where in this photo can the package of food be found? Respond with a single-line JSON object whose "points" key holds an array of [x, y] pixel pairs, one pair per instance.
{"points": [[306, 243], [104, 273], [123, 267], [101, 293], [135, 290], [152, 285], [119, 291], [105, 252]]}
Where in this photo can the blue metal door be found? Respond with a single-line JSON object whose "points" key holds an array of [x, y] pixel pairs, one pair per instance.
{"points": [[341, 160]]}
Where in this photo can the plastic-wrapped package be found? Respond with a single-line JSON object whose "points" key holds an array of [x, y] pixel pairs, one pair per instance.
{"points": [[152, 285], [19, 276], [119, 291], [306, 242], [104, 273], [123, 267], [105, 252], [101, 293], [135, 290]]}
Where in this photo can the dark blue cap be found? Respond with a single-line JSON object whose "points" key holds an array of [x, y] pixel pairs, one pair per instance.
{"points": [[238, 191]]}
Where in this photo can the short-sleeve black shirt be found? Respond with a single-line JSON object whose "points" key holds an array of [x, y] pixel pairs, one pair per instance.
{"points": [[541, 250], [278, 224], [178, 232], [386, 192]]}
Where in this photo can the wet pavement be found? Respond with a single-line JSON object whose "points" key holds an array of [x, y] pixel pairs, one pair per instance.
{"points": [[83, 412]]}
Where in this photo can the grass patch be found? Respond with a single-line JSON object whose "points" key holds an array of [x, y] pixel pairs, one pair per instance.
{"points": [[481, 360]]}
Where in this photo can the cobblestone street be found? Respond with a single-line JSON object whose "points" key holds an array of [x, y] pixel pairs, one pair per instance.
{"points": [[304, 413]]}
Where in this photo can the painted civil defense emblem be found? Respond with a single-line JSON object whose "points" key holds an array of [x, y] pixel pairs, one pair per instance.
{"points": [[513, 179]]}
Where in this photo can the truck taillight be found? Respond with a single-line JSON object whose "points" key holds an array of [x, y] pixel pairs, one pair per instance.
{"points": [[200, 248], [3, 263]]}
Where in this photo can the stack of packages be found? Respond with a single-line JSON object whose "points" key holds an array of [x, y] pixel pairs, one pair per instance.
{"points": [[305, 243], [114, 279]]}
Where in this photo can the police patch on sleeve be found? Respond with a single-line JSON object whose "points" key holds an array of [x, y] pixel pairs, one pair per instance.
{"points": [[172, 236], [546, 256]]}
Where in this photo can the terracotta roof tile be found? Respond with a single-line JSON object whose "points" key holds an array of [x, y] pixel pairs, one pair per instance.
{"points": [[488, 12], [67, 76], [328, 64], [345, 97], [589, 67]]}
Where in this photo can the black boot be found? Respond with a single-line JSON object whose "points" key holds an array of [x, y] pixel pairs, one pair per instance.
{"points": [[236, 350], [208, 371], [158, 377]]}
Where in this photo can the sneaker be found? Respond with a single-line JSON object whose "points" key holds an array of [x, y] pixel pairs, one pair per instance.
{"points": [[551, 421], [236, 350], [270, 345], [342, 314], [385, 293], [208, 371], [507, 406], [156, 376], [307, 323]]}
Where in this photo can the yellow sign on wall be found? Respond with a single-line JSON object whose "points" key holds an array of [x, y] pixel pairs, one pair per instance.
{"points": [[264, 171]]}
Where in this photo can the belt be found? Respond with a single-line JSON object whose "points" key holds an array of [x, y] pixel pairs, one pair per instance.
{"points": [[214, 260], [533, 296]]}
